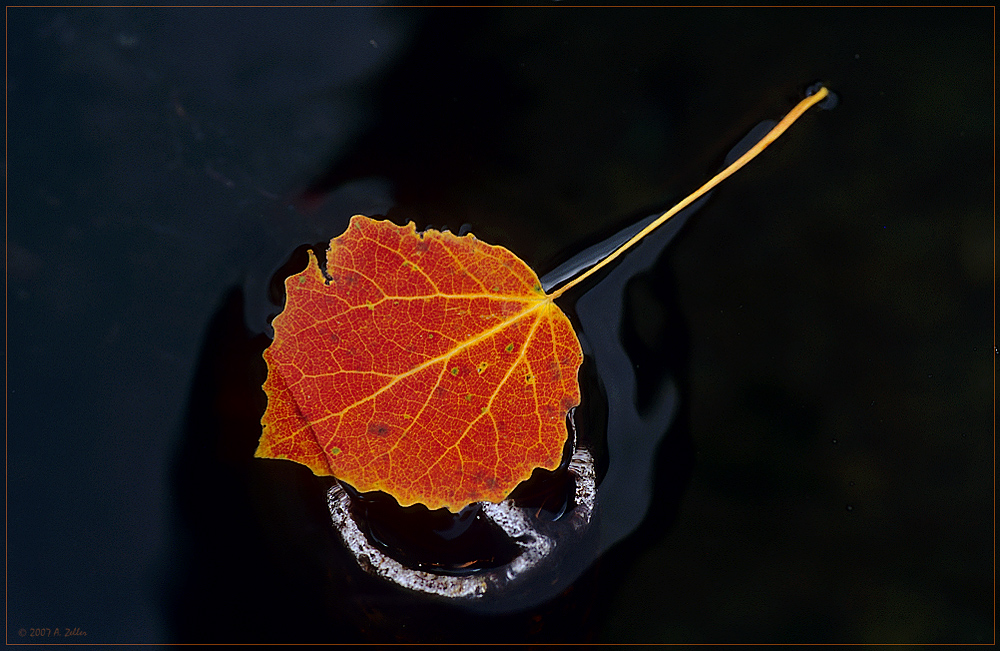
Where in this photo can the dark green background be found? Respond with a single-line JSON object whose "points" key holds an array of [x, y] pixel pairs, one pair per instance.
{"points": [[836, 295]]}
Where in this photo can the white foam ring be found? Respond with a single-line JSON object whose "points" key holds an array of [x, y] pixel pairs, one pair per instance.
{"points": [[516, 523]]}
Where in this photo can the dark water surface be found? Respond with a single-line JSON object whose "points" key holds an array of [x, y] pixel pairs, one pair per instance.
{"points": [[827, 472]]}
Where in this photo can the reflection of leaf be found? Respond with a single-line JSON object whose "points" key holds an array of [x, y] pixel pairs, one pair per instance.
{"points": [[429, 366]]}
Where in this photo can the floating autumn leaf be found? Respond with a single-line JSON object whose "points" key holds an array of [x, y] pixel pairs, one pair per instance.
{"points": [[429, 366]]}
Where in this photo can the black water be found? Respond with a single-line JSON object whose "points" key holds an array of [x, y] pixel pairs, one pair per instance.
{"points": [[825, 318]]}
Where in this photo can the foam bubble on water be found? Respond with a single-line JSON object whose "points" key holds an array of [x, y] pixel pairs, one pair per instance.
{"points": [[518, 524]]}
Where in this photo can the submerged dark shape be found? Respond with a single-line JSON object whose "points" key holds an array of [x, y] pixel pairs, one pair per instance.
{"points": [[555, 549]]}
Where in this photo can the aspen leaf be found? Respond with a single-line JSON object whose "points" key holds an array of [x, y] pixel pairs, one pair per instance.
{"points": [[429, 366]]}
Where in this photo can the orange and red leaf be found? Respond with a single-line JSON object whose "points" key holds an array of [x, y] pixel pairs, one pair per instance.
{"points": [[429, 366]]}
